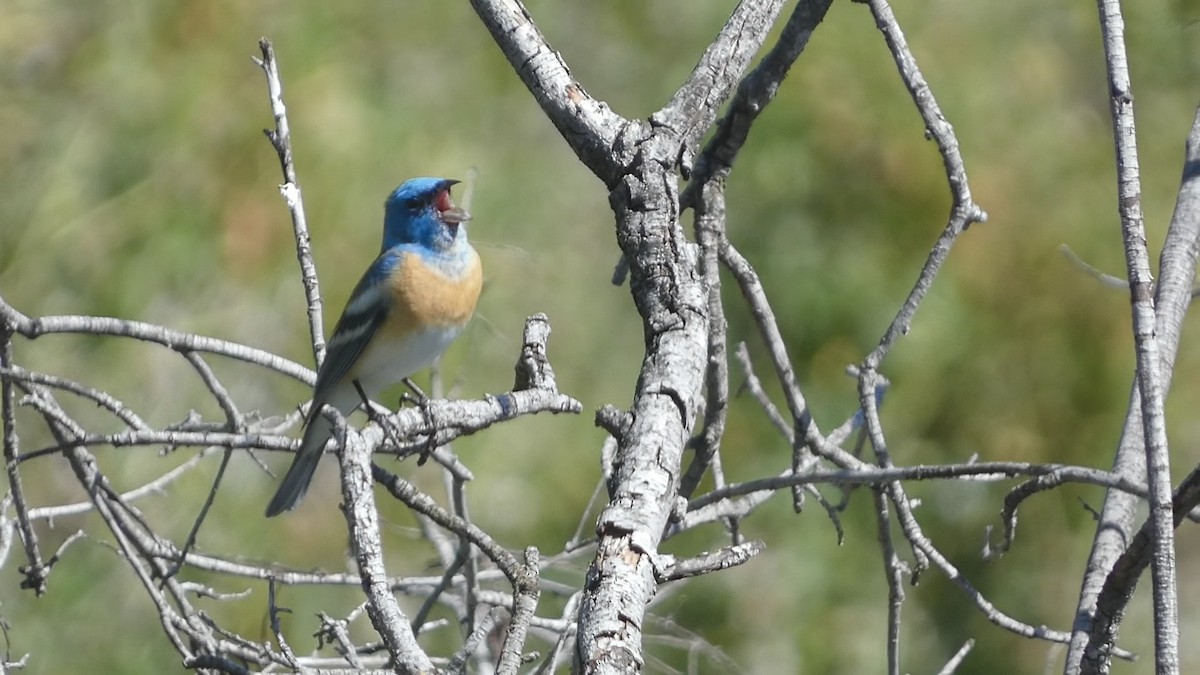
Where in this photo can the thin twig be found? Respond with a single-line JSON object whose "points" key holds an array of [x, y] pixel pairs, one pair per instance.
{"points": [[1118, 589], [710, 224], [458, 662], [893, 571], [101, 398], [204, 508], [565, 636], [35, 571], [963, 211], [589, 125], [958, 658], [422, 503], [273, 611], [84, 467], [669, 569], [33, 328], [281, 140], [471, 569], [754, 92], [1104, 278], [754, 386], [865, 474], [233, 421], [768, 327], [459, 418], [435, 595]]}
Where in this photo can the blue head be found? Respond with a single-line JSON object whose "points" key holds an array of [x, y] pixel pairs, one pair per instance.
{"points": [[420, 212]]}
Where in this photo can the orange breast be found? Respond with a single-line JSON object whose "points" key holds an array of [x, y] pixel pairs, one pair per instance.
{"points": [[427, 297]]}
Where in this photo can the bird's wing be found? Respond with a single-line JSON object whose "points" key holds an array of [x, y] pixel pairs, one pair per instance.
{"points": [[365, 312]]}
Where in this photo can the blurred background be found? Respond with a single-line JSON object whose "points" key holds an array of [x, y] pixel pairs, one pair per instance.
{"points": [[136, 183]]}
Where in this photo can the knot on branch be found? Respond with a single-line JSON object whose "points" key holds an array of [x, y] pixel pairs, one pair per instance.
{"points": [[668, 568], [613, 420], [35, 577], [533, 366]]}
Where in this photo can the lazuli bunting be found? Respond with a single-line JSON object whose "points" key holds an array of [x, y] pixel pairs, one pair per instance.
{"points": [[405, 311]]}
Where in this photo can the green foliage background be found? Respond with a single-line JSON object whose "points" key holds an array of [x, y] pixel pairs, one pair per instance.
{"points": [[137, 183]]}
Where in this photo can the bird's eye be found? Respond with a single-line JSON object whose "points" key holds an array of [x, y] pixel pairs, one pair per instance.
{"points": [[413, 203]]}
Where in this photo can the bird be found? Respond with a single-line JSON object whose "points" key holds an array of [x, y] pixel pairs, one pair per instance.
{"points": [[409, 306]]}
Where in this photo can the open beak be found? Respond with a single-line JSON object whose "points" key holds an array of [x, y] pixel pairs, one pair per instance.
{"points": [[447, 210]]}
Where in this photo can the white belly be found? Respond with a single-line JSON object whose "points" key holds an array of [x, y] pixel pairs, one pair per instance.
{"points": [[388, 360]]}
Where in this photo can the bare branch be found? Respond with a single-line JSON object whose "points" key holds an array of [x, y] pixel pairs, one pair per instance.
{"points": [[671, 299], [710, 225], [693, 108], [670, 569], [587, 124], [566, 636], [1118, 588], [35, 571], [281, 139], [868, 386], [362, 520], [754, 386], [764, 317], [893, 572], [101, 398], [84, 467], [422, 503], [956, 660], [754, 92], [1173, 295], [963, 211], [233, 420], [1105, 279], [525, 600], [1150, 380], [458, 662], [147, 332], [458, 500], [273, 612], [156, 486]]}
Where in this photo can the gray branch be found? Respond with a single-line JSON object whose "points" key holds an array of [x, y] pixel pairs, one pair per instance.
{"points": [[281, 140], [1118, 588], [362, 519], [1157, 316]]}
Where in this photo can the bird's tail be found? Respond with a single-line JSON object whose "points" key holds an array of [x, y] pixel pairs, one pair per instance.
{"points": [[345, 398], [299, 475]]}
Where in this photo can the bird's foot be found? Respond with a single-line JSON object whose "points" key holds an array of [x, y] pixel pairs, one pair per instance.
{"points": [[430, 444]]}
